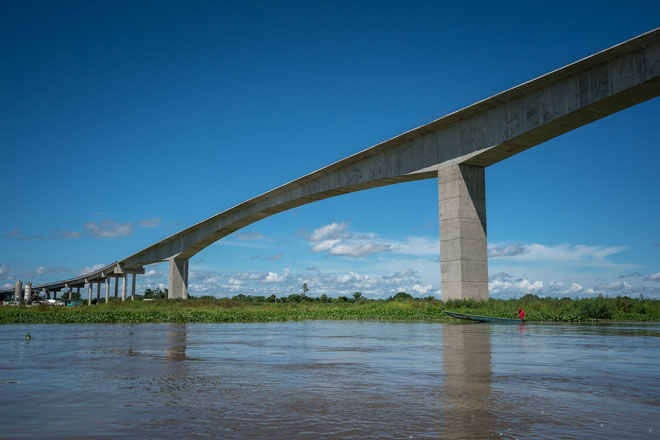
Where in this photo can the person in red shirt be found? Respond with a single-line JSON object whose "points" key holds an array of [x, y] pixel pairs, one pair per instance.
{"points": [[521, 313]]}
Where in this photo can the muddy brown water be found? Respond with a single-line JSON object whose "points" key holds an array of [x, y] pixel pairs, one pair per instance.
{"points": [[330, 379]]}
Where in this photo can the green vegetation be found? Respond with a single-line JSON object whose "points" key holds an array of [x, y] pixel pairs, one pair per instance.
{"points": [[298, 307]]}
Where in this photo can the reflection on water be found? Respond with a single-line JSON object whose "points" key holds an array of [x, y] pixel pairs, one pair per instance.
{"points": [[310, 380], [176, 342], [466, 400]]}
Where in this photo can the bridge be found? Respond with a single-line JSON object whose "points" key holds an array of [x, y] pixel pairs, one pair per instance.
{"points": [[454, 149]]}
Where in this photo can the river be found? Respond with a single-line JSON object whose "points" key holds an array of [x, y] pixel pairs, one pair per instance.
{"points": [[330, 379]]}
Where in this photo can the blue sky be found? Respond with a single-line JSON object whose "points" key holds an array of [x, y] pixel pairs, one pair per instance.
{"points": [[124, 122]]}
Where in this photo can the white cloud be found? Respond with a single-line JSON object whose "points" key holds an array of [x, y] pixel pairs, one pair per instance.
{"points": [[332, 284], [149, 222], [88, 269], [526, 285], [249, 236], [273, 277], [507, 251], [324, 245], [359, 249], [422, 290], [349, 277], [335, 239], [653, 277], [108, 229], [566, 254], [4, 268], [575, 288], [42, 270], [251, 276], [69, 234], [7, 286], [505, 284], [150, 273], [330, 232], [406, 273], [614, 285], [103, 229]]}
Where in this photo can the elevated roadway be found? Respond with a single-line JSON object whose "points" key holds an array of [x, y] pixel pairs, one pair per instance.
{"points": [[454, 149]]}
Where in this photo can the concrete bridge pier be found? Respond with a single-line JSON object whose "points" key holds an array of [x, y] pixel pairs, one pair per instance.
{"points": [[123, 288], [90, 291], [463, 241], [133, 288], [178, 279], [116, 287], [107, 290]]}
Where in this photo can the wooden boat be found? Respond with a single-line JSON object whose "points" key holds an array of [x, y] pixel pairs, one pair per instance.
{"points": [[482, 318]]}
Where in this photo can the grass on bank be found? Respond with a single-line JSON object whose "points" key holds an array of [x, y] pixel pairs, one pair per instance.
{"points": [[402, 306]]}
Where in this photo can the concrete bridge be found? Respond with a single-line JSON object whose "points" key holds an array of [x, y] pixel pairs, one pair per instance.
{"points": [[455, 149]]}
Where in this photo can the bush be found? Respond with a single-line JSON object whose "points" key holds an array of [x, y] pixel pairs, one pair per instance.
{"points": [[596, 308], [402, 296]]}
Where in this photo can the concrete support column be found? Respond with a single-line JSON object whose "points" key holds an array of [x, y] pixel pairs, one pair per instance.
{"points": [[107, 290], [98, 292], [90, 291], [18, 291], [70, 293], [116, 286], [178, 279], [123, 288], [46, 293], [133, 288], [463, 241]]}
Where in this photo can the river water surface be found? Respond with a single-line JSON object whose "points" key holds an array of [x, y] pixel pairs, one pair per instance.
{"points": [[330, 379]]}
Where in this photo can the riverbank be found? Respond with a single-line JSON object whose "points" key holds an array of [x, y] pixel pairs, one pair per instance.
{"points": [[300, 308]]}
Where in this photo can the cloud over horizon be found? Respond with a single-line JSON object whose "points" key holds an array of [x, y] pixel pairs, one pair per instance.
{"points": [[335, 239], [104, 229], [249, 236], [42, 270]]}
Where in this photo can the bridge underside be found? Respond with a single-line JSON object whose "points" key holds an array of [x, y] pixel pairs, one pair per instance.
{"points": [[463, 241]]}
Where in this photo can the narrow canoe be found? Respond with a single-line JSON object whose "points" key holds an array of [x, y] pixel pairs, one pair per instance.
{"points": [[482, 318]]}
